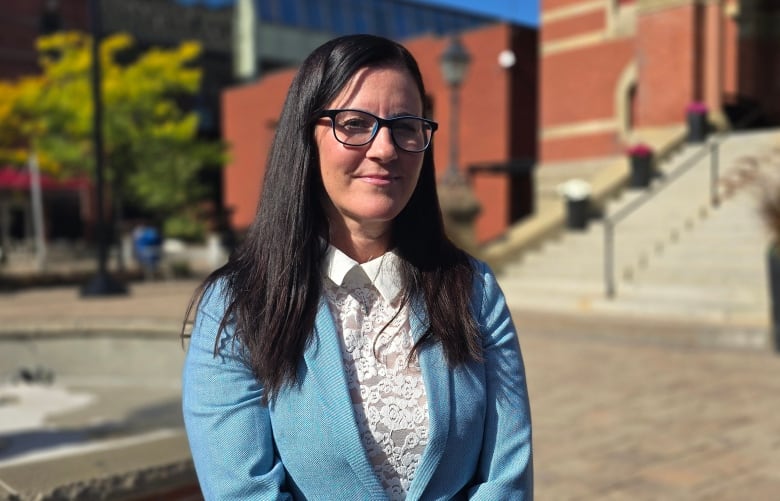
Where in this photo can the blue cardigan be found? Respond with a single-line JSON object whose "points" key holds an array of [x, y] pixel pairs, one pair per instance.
{"points": [[306, 444]]}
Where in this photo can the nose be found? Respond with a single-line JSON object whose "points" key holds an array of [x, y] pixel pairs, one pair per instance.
{"points": [[382, 148]]}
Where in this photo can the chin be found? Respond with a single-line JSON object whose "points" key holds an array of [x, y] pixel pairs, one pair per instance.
{"points": [[383, 211]]}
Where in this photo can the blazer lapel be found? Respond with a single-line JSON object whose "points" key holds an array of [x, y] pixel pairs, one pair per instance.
{"points": [[437, 380], [325, 366]]}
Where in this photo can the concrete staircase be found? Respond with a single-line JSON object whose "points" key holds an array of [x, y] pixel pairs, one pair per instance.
{"points": [[676, 257]]}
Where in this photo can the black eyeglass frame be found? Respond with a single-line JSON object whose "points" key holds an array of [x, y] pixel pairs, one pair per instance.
{"points": [[379, 123]]}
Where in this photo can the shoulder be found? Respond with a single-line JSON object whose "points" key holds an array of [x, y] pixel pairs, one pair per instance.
{"points": [[208, 327], [487, 298], [214, 300], [485, 283], [212, 308]]}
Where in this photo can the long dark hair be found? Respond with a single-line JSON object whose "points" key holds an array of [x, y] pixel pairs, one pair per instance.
{"points": [[273, 280]]}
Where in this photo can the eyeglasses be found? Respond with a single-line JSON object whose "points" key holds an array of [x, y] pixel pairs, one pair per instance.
{"points": [[358, 128]]}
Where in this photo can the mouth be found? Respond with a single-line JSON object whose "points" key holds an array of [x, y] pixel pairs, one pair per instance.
{"points": [[378, 179]]}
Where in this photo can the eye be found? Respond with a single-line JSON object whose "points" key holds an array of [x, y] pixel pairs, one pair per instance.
{"points": [[409, 126], [354, 122]]}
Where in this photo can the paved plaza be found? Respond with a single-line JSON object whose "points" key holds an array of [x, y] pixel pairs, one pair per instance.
{"points": [[622, 409], [643, 412]]}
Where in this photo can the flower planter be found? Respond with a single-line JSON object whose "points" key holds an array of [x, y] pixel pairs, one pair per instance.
{"points": [[696, 118], [641, 171], [641, 162]]}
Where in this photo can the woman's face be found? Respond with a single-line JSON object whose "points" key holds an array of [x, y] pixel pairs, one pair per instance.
{"points": [[368, 186]]}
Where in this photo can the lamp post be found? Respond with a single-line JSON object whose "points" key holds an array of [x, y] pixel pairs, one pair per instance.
{"points": [[102, 283], [458, 203], [454, 63]]}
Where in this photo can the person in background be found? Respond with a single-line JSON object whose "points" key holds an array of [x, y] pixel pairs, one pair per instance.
{"points": [[348, 349], [147, 249]]}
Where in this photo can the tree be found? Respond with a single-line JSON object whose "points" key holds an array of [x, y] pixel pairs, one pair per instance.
{"points": [[152, 150]]}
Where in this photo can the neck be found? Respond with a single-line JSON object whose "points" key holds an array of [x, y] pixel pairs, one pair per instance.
{"points": [[362, 246]]}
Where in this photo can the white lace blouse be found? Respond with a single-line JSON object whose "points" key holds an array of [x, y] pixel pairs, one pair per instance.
{"points": [[387, 390]]}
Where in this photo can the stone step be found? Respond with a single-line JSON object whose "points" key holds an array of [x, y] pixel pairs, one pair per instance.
{"points": [[685, 310], [724, 312], [593, 284], [728, 278], [682, 258], [752, 291]]}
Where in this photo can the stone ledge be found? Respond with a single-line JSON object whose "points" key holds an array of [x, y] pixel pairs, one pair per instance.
{"points": [[120, 328], [141, 471]]}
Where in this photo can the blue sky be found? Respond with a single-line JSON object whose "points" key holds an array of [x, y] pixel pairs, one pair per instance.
{"points": [[520, 11]]}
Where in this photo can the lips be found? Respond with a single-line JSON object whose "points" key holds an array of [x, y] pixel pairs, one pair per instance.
{"points": [[378, 179]]}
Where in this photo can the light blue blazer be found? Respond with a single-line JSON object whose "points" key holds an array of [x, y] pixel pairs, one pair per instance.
{"points": [[306, 444]]}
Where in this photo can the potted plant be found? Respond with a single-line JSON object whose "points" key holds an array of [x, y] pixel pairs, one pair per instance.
{"points": [[769, 206], [641, 161], [696, 117]]}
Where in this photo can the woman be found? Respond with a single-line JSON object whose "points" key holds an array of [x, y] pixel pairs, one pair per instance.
{"points": [[348, 350]]}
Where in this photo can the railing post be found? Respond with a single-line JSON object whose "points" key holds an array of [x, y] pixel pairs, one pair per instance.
{"points": [[609, 247], [714, 152], [611, 222]]}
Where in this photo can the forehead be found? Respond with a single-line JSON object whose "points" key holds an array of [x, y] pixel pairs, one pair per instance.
{"points": [[382, 87]]}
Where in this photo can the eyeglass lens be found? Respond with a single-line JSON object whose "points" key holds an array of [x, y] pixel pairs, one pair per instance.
{"points": [[357, 128]]}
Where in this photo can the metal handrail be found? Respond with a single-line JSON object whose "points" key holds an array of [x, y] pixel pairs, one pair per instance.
{"points": [[713, 149], [610, 222]]}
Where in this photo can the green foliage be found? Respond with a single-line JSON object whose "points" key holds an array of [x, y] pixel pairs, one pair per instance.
{"points": [[185, 227], [152, 152]]}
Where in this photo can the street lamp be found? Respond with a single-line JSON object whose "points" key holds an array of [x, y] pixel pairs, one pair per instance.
{"points": [[458, 203], [454, 63], [102, 283]]}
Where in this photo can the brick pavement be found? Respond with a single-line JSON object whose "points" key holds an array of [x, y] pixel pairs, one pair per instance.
{"points": [[622, 410], [640, 412]]}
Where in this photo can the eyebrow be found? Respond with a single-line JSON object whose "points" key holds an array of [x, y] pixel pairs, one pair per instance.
{"points": [[394, 115]]}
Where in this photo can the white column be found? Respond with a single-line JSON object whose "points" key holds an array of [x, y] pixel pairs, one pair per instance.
{"points": [[36, 201], [244, 40]]}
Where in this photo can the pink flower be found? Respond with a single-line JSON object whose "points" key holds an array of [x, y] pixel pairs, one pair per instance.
{"points": [[640, 150], [696, 107]]}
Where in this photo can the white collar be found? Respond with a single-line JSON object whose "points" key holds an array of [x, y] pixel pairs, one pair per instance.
{"points": [[381, 272]]}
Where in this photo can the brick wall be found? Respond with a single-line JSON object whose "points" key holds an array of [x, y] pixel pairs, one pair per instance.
{"points": [[669, 56], [20, 23], [608, 67], [249, 115]]}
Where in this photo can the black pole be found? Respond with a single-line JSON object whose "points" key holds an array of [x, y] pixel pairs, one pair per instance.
{"points": [[102, 283], [714, 175], [452, 171]]}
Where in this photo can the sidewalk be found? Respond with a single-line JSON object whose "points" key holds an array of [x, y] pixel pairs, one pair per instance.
{"points": [[157, 306], [622, 410], [645, 412]]}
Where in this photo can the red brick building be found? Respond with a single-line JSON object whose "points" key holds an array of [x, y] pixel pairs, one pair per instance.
{"points": [[611, 66], [497, 123]]}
